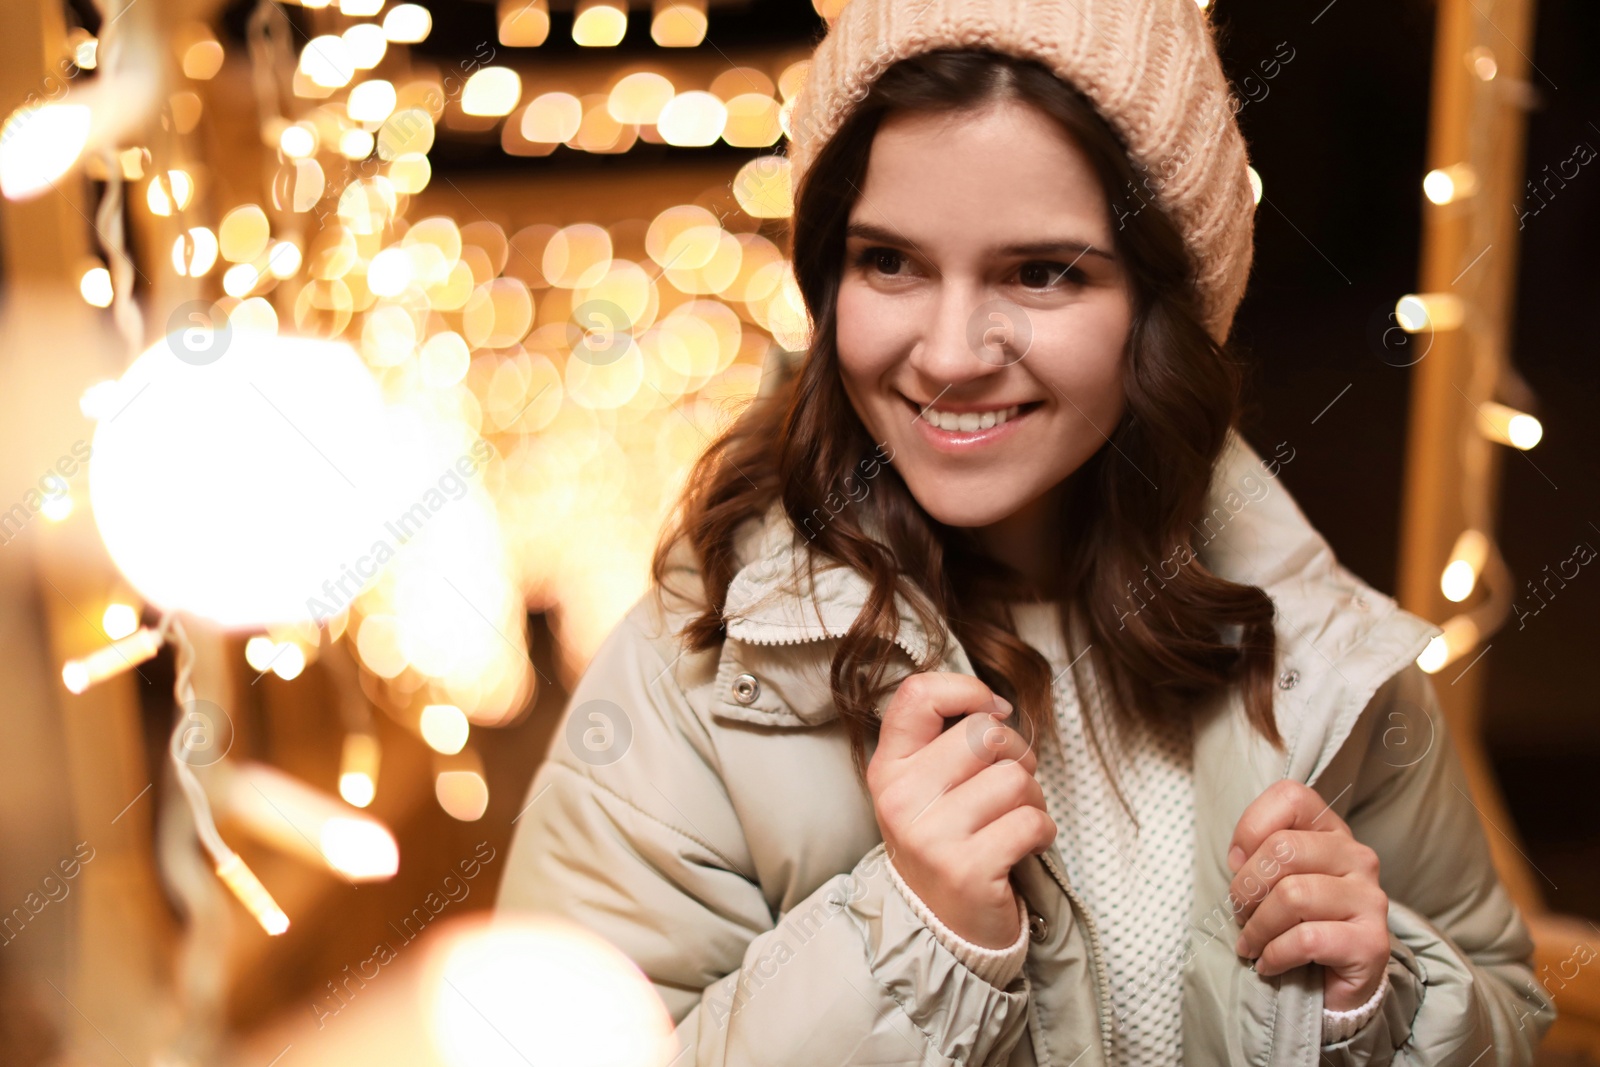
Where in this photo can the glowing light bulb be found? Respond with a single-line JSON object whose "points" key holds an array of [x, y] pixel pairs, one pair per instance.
{"points": [[599, 24], [120, 655], [407, 24], [95, 286], [40, 144], [444, 728], [1466, 563], [358, 769], [1450, 184], [1508, 426], [244, 885], [491, 91], [1416, 312], [1460, 635], [119, 621]]}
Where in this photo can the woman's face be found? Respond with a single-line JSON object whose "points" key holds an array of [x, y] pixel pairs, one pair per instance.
{"points": [[982, 311]]}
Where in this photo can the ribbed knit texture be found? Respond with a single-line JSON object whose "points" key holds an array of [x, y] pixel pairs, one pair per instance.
{"points": [[1137, 883], [1149, 67]]}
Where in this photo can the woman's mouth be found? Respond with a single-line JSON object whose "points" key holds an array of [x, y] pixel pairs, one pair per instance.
{"points": [[960, 430]]}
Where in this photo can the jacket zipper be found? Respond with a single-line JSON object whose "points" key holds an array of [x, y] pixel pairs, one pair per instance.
{"points": [[1102, 983]]}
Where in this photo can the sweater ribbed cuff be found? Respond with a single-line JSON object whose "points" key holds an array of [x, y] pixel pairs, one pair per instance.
{"points": [[1340, 1025], [999, 966]]}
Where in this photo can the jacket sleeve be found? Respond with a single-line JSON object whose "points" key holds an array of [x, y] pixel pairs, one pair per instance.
{"points": [[1462, 988], [643, 848]]}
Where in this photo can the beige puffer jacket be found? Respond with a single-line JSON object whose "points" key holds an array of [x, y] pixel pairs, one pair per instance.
{"points": [[699, 811]]}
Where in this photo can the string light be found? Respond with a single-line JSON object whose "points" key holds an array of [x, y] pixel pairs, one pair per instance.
{"points": [[121, 655], [1466, 563], [1416, 312], [1508, 426], [1453, 183], [293, 817], [358, 769]]}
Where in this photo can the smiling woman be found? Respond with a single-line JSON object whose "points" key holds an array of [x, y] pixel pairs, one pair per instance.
{"points": [[904, 778]]}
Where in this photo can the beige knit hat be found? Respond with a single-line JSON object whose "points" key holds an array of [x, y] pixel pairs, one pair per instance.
{"points": [[1150, 67]]}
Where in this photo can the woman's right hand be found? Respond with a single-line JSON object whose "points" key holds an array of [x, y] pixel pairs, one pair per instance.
{"points": [[958, 808]]}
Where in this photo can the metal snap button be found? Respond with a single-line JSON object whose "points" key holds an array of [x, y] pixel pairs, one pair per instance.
{"points": [[1361, 603], [1038, 928], [746, 689], [1288, 679]]}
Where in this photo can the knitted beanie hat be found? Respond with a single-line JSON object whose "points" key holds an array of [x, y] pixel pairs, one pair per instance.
{"points": [[1149, 67]]}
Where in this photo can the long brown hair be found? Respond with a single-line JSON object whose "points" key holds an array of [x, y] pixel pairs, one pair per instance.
{"points": [[1126, 509]]}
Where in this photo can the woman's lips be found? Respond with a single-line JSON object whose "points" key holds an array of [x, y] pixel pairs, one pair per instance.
{"points": [[959, 441]]}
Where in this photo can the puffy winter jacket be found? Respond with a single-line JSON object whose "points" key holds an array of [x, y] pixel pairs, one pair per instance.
{"points": [[700, 811]]}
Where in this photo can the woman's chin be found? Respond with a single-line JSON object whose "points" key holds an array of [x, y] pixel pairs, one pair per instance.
{"points": [[968, 506]]}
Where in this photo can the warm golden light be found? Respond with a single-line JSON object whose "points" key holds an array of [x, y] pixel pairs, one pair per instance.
{"points": [[160, 195], [407, 24], [243, 883], [358, 769], [119, 620], [523, 23], [553, 118], [639, 98], [95, 286], [1450, 184], [516, 990], [752, 121], [1416, 312], [762, 188], [195, 252], [463, 795], [326, 60], [1466, 563], [1460, 636], [366, 44], [371, 101], [1508, 426], [678, 23], [121, 655], [599, 24], [39, 145], [282, 811], [444, 728], [243, 233], [693, 119], [491, 91]]}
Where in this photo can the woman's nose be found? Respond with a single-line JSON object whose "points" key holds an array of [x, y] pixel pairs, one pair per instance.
{"points": [[971, 336]]}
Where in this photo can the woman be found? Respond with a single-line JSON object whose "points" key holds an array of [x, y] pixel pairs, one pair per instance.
{"points": [[994, 705]]}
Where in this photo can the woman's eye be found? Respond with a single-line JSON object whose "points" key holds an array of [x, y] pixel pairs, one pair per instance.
{"points": [[882, 260], [1042, 275]]}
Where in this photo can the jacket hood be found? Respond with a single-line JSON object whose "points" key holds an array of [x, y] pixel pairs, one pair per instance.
{"points": [[1338, 638]]}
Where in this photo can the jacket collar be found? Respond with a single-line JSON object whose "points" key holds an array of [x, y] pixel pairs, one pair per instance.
{"points": [[1338, 638]]}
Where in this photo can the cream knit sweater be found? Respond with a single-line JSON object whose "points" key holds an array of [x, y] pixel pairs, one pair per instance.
{"points": [[1137, 882]]}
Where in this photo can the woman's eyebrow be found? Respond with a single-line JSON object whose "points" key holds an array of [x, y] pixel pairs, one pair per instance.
{"points": [[1063, 246]]}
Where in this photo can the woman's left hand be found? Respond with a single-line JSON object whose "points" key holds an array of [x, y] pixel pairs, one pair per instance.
{"points": [[1307, 891]]}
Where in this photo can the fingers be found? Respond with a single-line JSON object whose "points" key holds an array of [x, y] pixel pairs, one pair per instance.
{"points": [[991, 793], [1024, 831], [1308, 898], [1289, 852], [970, 746], [916, 713], [1284, 805], [1354, 953]]}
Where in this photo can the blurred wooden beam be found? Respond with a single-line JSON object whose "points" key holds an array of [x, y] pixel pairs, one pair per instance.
{"points": [[1481, 91]]}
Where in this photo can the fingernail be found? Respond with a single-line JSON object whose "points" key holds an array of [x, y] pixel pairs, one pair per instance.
{"points": [[1240, 948], [1002, 706], [1235, 858]]}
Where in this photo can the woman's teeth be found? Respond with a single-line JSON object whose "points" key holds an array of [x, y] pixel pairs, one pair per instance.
{"points": [[968, 421]]}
